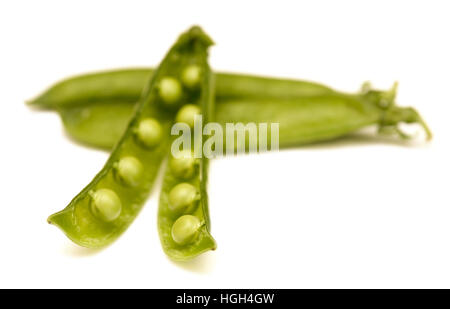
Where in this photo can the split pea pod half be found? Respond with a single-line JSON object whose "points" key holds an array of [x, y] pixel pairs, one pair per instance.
{"points": [[302, 119], [183, 216], [102, 211]]}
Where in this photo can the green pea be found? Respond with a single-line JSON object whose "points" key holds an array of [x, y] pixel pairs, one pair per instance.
{"points": [[185, 229], [184, 165], [187, 114], [170, 90], [191, 76], [105, 204], [149, 132], [129, 170], [183, 198]]}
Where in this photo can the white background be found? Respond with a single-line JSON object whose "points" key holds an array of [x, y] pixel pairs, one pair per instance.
{"points": [[361, 212]]}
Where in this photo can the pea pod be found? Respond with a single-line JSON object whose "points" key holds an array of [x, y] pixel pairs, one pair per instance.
{"points": [[320, 118], [183, 217], [110, 202], [304, 119], [99, 124], [95, 107], [126, 85]]}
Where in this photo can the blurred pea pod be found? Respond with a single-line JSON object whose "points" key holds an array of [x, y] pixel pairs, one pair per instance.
{"points": [[306, 112], [125, 85]]}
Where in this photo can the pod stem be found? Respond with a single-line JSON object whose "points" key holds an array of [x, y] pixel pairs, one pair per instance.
{"points": [[425, 127], [392, 115], [395, 115]]}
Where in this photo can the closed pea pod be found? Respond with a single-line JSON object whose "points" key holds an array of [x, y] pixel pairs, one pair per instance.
{"points": [[319, 118], [108, 205], [125, 85], [302, 120], [83, 104]]}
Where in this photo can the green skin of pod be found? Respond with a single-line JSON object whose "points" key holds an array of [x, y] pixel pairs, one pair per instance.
{"points": [[77, 220]]}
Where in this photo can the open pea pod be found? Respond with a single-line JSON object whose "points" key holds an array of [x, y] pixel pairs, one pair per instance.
{"points": [[110, 202], [183, 215]]}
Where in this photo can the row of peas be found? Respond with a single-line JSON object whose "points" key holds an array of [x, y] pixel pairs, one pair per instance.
{"points": [[183, 197]]}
